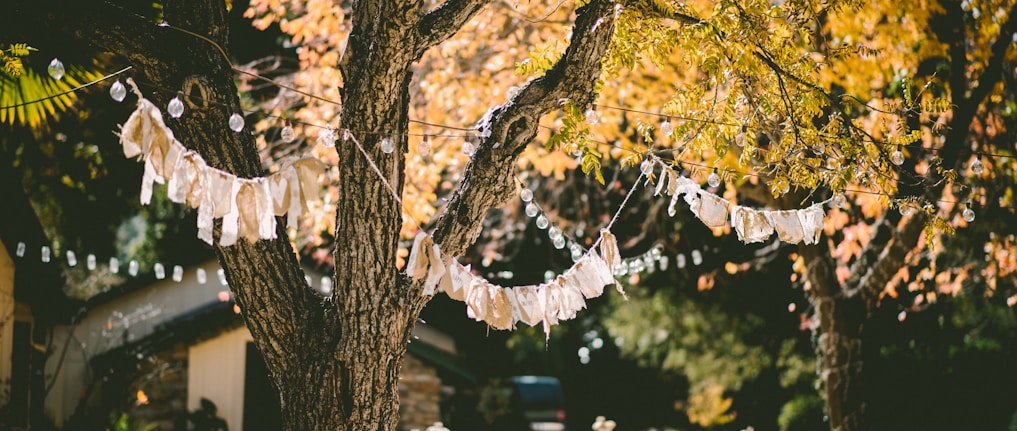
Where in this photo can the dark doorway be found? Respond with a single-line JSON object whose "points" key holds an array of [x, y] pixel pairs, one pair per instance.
{"points": [[261, 401], [21, 371]]}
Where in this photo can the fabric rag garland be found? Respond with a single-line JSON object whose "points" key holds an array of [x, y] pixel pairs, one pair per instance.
{"points": [[502, 307], [247, 206], [792, 226]]}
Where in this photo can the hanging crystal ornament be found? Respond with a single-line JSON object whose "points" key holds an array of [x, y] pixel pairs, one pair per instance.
{"points": [[897, 157], [591, 116], [666, 128], [175, 107], [469, 149], [288, 134], [554, 233], [968, 213], [526, 195], [904, 209], [646, 167], [117, 91], [532, 210], [387, 146], [559, 242], [236, 122], [326, 137], [56, 69], [542, 221], [424, 147], [714, 180], [977, 167]]}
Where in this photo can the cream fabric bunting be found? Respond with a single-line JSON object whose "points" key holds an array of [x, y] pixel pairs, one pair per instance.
{"points": [[247, 206], [792, 226], [751, 225]]}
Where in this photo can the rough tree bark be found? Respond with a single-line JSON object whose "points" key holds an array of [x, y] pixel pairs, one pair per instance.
{"points": [[335, 361]]}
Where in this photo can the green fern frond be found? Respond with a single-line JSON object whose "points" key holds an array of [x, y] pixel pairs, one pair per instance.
{"points": [[15, 92]]}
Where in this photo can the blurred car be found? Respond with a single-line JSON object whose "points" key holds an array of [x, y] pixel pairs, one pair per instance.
{"points": [[541, 401]]}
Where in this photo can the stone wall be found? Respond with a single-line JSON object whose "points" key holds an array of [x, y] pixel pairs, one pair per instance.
{"points": [[419, 395]]}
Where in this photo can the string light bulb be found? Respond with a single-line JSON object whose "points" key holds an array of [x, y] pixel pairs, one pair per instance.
{"points": [[424, 147], [741, 137], [532, 210], [646, 167], [326, 137], [666, 128], [542, 222], [288, 134], [175, 107], [117, 91], [591, 116], [897, 157], [839, 201], [713, 180], [56, 69], [968, 214], [236, 122], [977, 167], [526, 195], [387, 146]]}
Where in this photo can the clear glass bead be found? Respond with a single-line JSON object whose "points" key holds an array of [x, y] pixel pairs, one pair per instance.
{"points": [[968, 214], [977, 167], [526, 195], [288, 134]]}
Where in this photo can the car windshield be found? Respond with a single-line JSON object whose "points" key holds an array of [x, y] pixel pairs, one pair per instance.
{"points": [[541, 394]]}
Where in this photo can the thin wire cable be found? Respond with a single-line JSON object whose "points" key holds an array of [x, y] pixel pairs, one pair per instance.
{"points": [[54, 96]]}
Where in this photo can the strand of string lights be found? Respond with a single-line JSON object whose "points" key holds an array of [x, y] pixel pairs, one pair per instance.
{"points": [[976, 166], [117, 91]]}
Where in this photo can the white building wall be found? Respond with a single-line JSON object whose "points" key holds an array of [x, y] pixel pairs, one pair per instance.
{"points": [[215, 370]]}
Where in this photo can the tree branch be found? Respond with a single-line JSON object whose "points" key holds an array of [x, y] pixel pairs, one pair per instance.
{"points": [[507, 129], [445, 20]]}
